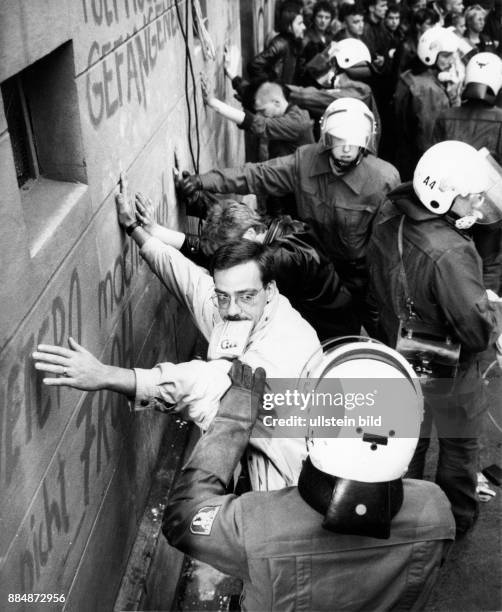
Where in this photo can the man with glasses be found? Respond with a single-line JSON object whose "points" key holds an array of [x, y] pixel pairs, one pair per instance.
{"points": [[240, 289]]}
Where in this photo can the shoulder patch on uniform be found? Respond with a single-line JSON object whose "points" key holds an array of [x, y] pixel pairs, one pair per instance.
{"points": [[202, 522]]}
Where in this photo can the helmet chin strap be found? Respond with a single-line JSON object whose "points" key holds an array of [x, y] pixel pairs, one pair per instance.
{"points": [[340, 167]]}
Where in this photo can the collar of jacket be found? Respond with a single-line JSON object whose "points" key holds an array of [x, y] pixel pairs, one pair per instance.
{"points": [[405, 200], [354, 178], [268, 314]]}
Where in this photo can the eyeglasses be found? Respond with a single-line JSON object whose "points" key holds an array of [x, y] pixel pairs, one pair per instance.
{"points": [[222, 300]]}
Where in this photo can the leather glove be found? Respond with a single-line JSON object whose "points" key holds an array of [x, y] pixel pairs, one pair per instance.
{"points": [[189, 184], [243, 400]]}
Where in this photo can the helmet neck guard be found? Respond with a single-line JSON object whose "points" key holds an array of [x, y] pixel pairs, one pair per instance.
{"points": [[349, 506]]}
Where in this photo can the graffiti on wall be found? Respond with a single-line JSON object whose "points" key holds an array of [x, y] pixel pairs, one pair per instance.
{"points": [[126, 62], [31, 415]]}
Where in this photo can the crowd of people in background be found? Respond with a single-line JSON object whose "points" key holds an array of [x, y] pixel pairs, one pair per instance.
{"points": [[299, 52]]}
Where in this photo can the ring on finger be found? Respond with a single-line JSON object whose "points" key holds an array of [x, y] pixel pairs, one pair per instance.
{"points": [[65, 372]]}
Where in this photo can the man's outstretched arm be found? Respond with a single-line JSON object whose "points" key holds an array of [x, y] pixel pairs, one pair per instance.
{"points": [[78, 368], [193, 388]]}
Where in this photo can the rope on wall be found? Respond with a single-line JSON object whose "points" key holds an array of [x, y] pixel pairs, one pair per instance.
{"points": [[189, 65]]}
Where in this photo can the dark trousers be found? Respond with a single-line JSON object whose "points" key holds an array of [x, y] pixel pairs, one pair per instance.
{"points": [[458, 418]]}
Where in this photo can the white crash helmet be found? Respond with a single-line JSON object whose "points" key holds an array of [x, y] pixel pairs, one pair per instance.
{"points": [[483, 77], [453, 169], [350, 121], [365, 452], [350, 52], [433, 41]]}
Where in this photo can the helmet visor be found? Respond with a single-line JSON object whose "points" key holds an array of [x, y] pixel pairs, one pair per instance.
{"points": [[343, 127], [486, 205]]}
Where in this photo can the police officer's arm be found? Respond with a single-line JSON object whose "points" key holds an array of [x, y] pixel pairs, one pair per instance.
{"points": [[274, 177], [200, 519], [288, 127], [461, 294], [312, 99]]}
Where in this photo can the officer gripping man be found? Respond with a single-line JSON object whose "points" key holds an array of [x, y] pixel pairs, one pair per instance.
{"points": [[316, 546]]}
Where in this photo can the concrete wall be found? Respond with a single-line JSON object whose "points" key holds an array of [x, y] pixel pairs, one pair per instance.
{"points": [[75, 468]]}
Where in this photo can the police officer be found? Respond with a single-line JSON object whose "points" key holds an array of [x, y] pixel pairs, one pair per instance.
{"points": [[478, 122], [341, 71], [338, 185], [331, 543], [420, 96], [425, 270]]}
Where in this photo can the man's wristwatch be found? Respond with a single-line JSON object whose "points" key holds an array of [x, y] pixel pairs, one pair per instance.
{"points": [[130, 228]]}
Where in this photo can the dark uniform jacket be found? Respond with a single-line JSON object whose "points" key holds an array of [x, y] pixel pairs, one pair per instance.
{"points": [[443, 272], [340, 209], [479, 125], [418, 100], [316, 100], [475, 123], [282, 135], [276, 544]]}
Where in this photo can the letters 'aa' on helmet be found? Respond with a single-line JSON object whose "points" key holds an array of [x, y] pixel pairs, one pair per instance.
{"points": [[370, 450], [349, 120], [434, 41], [483, 77], [452, 170]]}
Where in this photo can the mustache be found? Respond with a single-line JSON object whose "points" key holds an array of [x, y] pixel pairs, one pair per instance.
{"points": [[236, 318]]}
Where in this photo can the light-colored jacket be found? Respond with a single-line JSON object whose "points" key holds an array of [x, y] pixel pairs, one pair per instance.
{"points": [[281, 342]]}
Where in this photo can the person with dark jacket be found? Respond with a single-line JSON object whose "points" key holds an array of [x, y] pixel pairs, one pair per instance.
{"points": [[318, 36], [280, 59], [478, 122], [345, 72], [280, 126], [420, 96], [303, 272], [406, 52], [425, 273], [493, 26], [282, 544], [374, 34]]}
